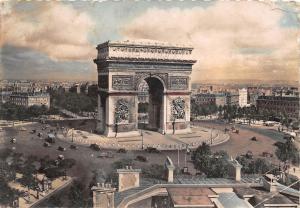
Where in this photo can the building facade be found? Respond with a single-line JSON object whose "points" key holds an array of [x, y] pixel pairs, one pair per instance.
{"points": [[280, 105], [243, 97], [232, 99], [204, 99], [30, 99], [221, 99]]}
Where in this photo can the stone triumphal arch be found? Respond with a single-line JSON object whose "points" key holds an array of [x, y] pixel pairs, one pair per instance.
{"points": [[123, 65]]}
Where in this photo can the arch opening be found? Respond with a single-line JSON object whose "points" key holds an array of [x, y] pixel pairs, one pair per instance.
{"points": [[150, 106]]}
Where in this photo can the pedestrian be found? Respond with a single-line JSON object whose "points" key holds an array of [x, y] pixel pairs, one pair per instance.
{"points": [[294, 170]]}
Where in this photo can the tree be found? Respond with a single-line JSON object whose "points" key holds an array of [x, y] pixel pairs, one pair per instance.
{"points": [[6, 172], [254, 166], [66, 164], [201, 157], [28, 178], [7, 194], [287, 151], [154, 171], [76, 195], [213, 165], [218, 166]]}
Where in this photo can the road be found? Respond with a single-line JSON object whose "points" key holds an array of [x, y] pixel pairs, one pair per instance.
{"points": [[87, 160], [240, 143]]}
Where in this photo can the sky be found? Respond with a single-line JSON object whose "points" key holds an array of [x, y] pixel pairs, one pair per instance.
{"points": [[232, 40]]}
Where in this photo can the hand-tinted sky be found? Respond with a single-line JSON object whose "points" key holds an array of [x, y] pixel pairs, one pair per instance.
{"points": [[232, 40]]}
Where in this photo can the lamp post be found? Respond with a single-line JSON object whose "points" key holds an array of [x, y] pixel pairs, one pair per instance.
{"points": [[211, 136], [174, 125], [142, 133], [72, 135]]}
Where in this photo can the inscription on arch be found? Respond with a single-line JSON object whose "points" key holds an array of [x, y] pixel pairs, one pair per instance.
{"points": [[178, 83]]}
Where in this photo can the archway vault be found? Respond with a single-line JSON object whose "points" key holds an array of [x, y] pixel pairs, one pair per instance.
{"points": [[122, 66]]}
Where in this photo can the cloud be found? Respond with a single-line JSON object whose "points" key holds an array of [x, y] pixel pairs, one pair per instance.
{"points": [[55, 29], [24, 63], [232, 40]]}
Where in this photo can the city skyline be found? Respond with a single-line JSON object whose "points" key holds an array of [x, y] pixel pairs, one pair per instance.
{"points": [[245, 45]]}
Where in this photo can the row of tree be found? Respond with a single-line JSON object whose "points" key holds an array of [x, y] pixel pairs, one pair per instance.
{"points": [[202, 110], [230, 112], [10, 111], [74, 102]]}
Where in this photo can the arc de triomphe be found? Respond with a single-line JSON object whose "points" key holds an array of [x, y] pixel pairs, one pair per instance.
{"points": [[166, 68]]}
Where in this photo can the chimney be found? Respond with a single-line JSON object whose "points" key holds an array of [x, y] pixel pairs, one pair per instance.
{"points": [[103, 196], [128, 178], [235, 169], [170, 170]]}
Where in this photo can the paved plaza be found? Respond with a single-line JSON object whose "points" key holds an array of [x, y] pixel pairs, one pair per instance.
{"points": [[149, 139]]}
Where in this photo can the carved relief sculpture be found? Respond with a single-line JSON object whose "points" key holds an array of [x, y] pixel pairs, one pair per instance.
{"points": [[178, 108], [122, 111]]}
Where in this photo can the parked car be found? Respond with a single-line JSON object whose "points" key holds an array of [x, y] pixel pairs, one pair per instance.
{"points": [[121, 150], [152, 150], [33, 131], [47, 144], [253, 138], [60, 148], [235, 131], [40, 134], [141, 158], [51, 138], [72, 146], [108, 154], [95, 147], [61, 157], [13, 141]]}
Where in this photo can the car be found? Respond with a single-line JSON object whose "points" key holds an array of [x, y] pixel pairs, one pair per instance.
{"points": [[72, 146], [141, 158], [253, 138], [60, 157], [47, 144], [267, 154], [50, 140], [13, 141], [33, 131], [60, 148], [95, 147], [103, 155], [40, 134], [121, 150], [235, 131], [152, 150]]}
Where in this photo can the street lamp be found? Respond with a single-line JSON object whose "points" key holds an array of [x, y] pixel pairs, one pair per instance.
{"points": [[174, 125], [72, 135], [142, 133], [211, 135]]}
